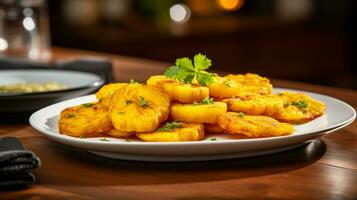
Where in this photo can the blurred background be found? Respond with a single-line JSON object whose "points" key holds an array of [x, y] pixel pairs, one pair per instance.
{"points": [[304, 40]]}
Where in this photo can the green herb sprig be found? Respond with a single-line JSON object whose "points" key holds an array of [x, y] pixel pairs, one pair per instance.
{"points": [[186, 71]]}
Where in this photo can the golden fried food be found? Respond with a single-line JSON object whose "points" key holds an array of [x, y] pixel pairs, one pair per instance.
{"points": [[298, 108], [108, 90], [180, 133], [253, 126], [119, 134], [256, 104], [86, 120], [213, 128], [179, 91], [198, 113], [239, 86], [138, 108]]}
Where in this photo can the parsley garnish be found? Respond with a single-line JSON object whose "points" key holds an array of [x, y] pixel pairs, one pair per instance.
{"points": [[299, 104], [169, 126], [127, 140], [132, 81], [87, 105], [206, 101], [142, 102], [128, 102], [70, 115], [186, 71], [81, 136], [213, 139], [104, 140]]}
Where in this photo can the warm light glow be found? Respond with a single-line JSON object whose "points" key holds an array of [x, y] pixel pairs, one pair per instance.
{"points": [[230, 4], [3, 44], [28, 23], [180, 13]]}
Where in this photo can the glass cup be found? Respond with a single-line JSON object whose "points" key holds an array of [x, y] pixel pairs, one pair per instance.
{"points": [[24, 29]]}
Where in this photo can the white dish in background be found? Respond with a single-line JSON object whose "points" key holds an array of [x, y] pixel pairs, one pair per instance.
{"points": [[14, 106], [338, 114], [71, 79]]}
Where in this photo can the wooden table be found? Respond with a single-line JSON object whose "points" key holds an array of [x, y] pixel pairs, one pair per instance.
{"points": [[324, 169]]}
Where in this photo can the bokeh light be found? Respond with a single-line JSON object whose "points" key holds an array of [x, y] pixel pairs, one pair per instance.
{"points": [[180, 13], [28, 23], [3, 44], [230, 5]]}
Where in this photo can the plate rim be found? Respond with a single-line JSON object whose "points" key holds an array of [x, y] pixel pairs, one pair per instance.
{"points": [[60, 137]]}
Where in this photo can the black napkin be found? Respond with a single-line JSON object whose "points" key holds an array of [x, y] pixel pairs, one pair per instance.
{"points": [[100, 66], [16, 164]]}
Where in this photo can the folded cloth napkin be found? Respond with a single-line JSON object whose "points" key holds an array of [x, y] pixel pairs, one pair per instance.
{"points": [[16, 164], [100, 66]]}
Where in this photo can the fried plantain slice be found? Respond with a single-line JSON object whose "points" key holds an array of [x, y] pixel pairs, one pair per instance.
{"points": [[256, 104], [177, 90], [180, 133], [213, 128], [138, 108], [108, 90], [239, 86], [298, 108], [253, 126], [198, 113], [86, 120]]}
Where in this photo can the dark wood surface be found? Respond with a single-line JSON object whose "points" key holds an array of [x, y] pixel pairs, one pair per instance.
{"points": [[324, 169]]}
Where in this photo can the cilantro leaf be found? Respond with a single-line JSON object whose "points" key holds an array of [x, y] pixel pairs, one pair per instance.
{"points": [[185, 63], [172, 71], [188, 72], [204, 78], [201, 62]]}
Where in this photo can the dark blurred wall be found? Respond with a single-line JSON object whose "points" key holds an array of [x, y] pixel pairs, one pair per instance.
{"points": [[304, 40]]}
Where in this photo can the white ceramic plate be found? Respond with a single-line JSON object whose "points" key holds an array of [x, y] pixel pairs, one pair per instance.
{"points": [[338, 114]]}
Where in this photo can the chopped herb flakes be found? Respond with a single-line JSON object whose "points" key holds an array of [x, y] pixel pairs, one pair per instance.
{"points": [[206, 101], [169, 126], [70, 115], [240, 114], [299, 104], [87, 105], [213, 139], [227, 83], [128, 102], [142, 102], [132, 81], [104, 140]]}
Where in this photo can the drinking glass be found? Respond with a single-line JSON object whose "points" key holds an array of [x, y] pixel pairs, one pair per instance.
{"points": [[24, 29]]}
